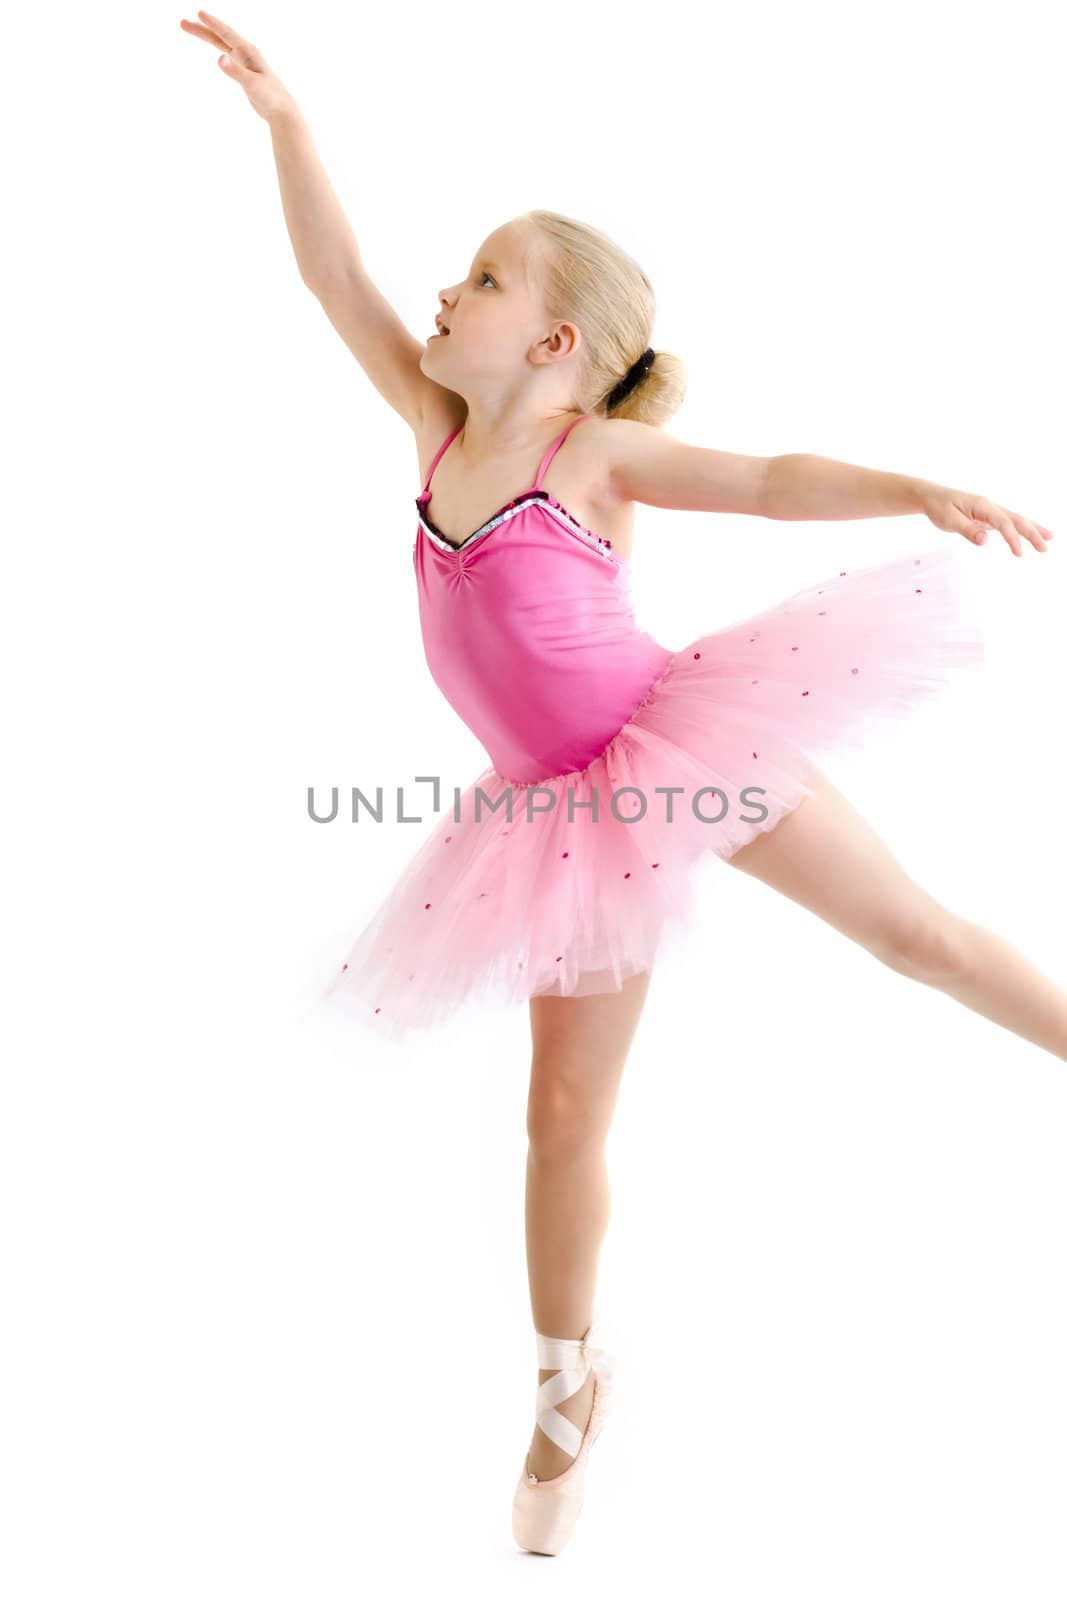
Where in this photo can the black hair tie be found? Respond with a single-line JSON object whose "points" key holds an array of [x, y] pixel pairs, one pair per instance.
{"points": [[632, 378]]}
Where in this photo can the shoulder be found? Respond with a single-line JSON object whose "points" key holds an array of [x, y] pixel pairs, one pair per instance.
{"points": [[608, 444], [594, 448]]}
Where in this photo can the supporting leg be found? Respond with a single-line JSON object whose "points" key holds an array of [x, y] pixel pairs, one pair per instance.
{"points": [[580, 1045]]}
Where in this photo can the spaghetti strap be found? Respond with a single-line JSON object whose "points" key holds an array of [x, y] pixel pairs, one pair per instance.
{"points": [[554, 446], [440, 452], [545, 459]]}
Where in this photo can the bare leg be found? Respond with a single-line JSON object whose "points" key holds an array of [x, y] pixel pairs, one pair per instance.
{"points": [[580, 1045], [827, 858]]}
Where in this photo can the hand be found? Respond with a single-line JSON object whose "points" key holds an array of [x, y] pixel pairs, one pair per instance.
{"points": [[970, 514], [242, 61]]}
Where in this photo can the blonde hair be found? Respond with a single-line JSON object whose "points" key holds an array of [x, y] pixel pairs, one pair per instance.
{"points": [[587, 279]]}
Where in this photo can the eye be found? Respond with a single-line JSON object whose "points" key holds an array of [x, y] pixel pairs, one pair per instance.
{"points": [[484, 274]]}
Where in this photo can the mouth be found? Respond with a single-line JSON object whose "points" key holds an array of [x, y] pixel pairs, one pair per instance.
{"points": [[442, 331]]}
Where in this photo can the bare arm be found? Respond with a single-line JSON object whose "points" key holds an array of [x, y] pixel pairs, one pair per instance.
{"points": [[808, 486], [653, 467], [650, 466], [818, 488], [331, 265], [321, 235], [327, 254]]}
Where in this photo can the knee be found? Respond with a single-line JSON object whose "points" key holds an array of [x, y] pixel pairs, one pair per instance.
{"points": [[561, 1120], [929, 946]]}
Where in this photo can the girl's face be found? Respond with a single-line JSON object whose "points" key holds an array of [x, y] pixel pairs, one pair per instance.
{"points": [[493, 317]]}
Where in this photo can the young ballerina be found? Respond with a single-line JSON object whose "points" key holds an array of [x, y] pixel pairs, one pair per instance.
{"points": [[563, 887]]}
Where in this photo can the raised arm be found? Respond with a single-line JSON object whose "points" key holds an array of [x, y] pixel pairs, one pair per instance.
{"points": [[325, 246], [332, 267]]}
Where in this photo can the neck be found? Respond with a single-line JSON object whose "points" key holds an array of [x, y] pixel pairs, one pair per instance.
{"points": [[489, 437]]}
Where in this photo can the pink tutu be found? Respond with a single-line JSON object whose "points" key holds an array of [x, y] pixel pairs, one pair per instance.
{"points": [[567, 892]]}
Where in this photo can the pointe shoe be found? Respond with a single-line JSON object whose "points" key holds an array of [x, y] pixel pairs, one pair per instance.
{"points": [[545, 1511]]}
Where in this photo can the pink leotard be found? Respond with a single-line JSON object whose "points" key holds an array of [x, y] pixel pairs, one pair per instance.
{"points": [[529, 631]]}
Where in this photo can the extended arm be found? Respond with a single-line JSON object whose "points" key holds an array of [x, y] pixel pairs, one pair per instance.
{"points": [[819, 489], [650, 466]]}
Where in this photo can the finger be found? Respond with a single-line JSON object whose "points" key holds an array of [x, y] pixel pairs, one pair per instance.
{"points": [[228, 33], [234, 68], [230, 36], [1034, 531], [999, 518], [204, 33], [958, 523], [1028, 529]]}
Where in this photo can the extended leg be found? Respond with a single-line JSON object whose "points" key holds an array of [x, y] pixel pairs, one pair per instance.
{"points": [[580, 1046], [826, 857]]}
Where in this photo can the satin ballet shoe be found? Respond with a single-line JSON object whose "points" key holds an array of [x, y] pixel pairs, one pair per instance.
{"points": [[545, 1511]]}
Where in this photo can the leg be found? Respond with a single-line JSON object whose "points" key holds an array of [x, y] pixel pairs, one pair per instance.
{"points": [[826, 857], [580, 1044]]}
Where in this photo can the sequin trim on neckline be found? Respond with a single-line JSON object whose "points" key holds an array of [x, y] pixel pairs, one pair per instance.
{"points": [[513, 507]]}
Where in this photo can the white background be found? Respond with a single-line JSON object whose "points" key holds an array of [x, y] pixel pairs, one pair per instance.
{"points": [[266, 1328]]}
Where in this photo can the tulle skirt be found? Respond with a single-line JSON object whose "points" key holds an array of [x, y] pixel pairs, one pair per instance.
{"points": [[573, 884]]}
